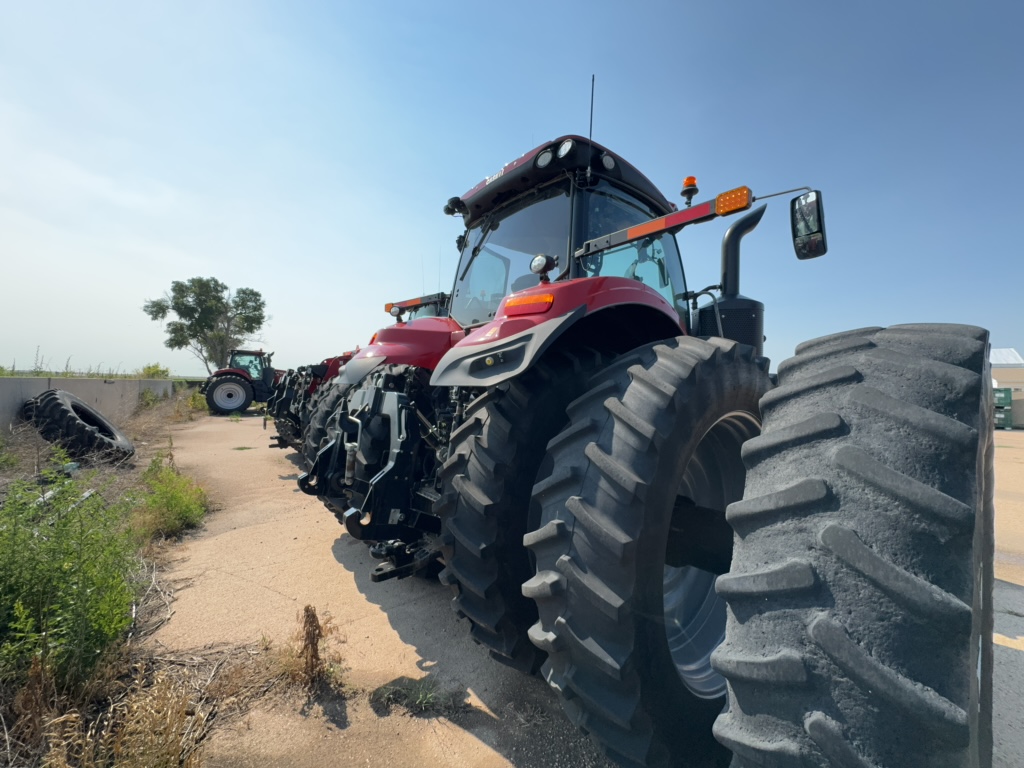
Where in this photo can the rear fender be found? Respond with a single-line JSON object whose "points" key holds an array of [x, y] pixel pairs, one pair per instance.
{"points": [[510, 344], [420, 343], [236, 371]]}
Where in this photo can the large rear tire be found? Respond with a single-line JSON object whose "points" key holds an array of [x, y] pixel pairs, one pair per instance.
{"points": [[323, 405], [63, 418], [493, 461], [632, 533], [860, 598], [229, 393]]}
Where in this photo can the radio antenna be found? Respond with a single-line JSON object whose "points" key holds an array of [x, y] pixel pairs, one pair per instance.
{"points": [[590, 137]]}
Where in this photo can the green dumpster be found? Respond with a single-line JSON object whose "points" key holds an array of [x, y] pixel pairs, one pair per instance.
{"points": [[1003, 397], [1004, 418]]}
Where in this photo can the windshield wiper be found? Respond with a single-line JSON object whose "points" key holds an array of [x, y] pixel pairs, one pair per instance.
{"points": [[484, 232]]}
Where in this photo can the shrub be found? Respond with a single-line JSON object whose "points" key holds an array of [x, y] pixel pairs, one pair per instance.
{"points": [[7, 459], [65, 578], [148, 398], [197, 401], [153, 371], [172, 503]]}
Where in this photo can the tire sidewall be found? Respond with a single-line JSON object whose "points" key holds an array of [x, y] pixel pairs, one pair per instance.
{"points": [[653, 430], [664, 694], [247, 394]]}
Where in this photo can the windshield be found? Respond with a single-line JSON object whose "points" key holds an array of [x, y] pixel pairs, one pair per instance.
{"points": [[496, 258], [251, 363]]}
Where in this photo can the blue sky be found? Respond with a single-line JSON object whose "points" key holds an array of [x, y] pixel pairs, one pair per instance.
{"points": [[305, 149]]}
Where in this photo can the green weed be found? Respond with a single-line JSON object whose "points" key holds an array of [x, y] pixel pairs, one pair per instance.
{"points": [[7, 459], [417, 697], [153, 371], [65, 578], [148, 398], [172, 503]]}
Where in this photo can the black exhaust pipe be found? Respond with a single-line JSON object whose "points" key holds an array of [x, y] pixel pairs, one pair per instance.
{"points": [[731, 251], [742, 319]]}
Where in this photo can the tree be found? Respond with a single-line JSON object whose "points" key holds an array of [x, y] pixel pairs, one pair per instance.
{"points": [[212, 320]]}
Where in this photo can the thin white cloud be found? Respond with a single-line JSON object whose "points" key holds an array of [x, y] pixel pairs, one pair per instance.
{"points": [[39, 180]]}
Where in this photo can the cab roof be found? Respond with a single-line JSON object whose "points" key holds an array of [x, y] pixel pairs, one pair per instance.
{"points": [[523, 174]]}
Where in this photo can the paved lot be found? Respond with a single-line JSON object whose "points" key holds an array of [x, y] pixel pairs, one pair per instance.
{"points": [[1009, 600]]}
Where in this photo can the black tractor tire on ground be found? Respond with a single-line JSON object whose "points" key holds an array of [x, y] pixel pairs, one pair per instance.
{"points": [[323, 405], [652, 450], [860, 598], [487, 479], [80, 429], [229, 393]]}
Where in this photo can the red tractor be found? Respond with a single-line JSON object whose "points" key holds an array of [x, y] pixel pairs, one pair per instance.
{"points": [[292, 402], [248, 377], [707, 563], [324, 402]]}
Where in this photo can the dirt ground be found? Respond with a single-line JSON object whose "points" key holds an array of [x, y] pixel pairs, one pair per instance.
{"points": [[268, 550]]}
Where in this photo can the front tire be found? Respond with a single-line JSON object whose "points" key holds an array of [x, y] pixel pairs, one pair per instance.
{"points": [[860, 598], [632, 500]]}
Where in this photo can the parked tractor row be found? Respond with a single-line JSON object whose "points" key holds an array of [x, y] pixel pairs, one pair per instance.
{"points": [[709, 563]]}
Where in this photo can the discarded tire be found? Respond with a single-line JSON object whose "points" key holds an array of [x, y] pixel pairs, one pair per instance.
{"points": [[860, 597], [632, 498], [80, 429], [229, 393]]}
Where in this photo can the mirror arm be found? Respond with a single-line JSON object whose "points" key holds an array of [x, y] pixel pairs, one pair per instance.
{"points": [[784, 192]]}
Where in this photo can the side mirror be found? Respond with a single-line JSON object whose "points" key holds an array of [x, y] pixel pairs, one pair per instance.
{"points": [[807, 217]]}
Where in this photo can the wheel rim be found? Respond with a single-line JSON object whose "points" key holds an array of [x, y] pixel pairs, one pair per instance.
{"points": [[228, 395], [694, 615]]}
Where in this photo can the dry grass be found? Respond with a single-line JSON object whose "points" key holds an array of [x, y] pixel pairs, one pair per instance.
{"points": [[161, 710], [160, 721]]}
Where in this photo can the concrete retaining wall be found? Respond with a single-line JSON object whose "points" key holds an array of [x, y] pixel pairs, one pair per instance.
{"points": [[116, 399]]}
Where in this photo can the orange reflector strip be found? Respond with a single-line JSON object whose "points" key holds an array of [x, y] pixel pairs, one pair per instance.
{"points": [[673, 220], [387, 307], [655, 225], [738, 199], [531, 304]]}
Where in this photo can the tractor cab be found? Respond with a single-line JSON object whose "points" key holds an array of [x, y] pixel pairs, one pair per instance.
{"points": [[255, 363], [525, 224]]}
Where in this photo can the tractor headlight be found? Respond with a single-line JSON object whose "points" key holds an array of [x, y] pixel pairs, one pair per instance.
{"points": [[544, 158], [565, 148]]}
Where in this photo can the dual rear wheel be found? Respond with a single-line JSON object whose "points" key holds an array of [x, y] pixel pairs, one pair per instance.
{"points": [[813, 589]]}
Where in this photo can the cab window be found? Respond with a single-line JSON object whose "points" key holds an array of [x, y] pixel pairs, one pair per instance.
{"points": [[653, 261]]}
